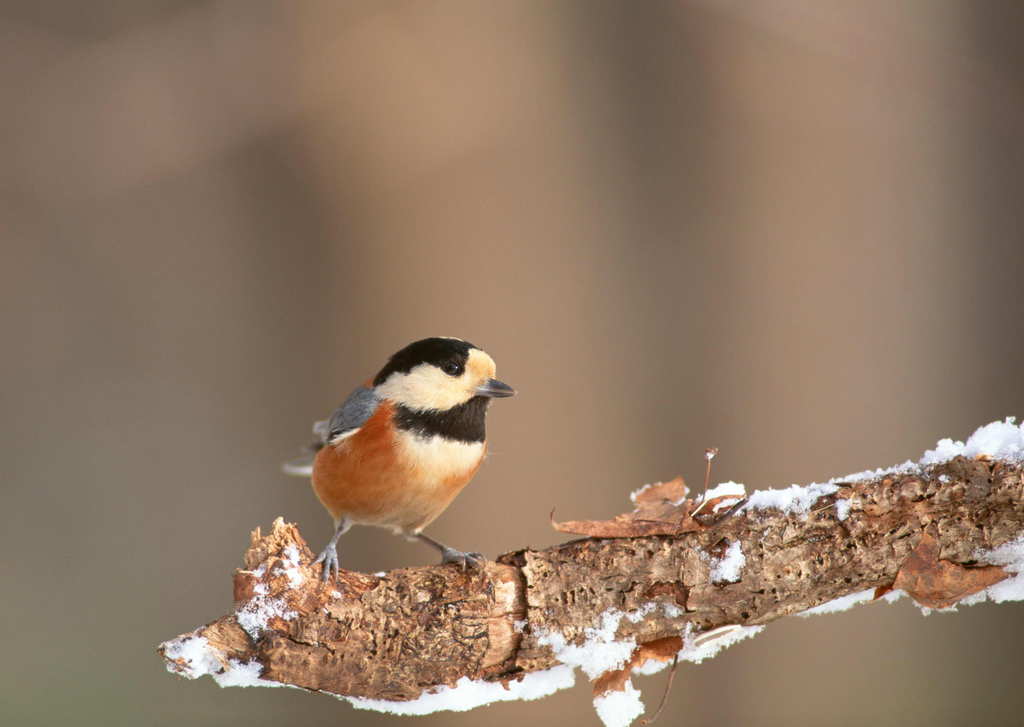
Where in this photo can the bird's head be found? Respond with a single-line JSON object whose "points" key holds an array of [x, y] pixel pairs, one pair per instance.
{"points": [[438, 374]]}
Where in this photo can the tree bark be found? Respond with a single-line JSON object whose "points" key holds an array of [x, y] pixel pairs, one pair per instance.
{"points": [[394, 637]]}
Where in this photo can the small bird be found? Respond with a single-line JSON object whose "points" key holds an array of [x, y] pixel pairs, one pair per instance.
{"points": [[402, 446]]}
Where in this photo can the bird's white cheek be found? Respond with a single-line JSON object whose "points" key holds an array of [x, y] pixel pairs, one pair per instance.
{"points": [[438, 458], [425, 387]]}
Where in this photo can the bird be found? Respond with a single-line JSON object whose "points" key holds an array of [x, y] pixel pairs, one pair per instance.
{"points": [[403, 445]]}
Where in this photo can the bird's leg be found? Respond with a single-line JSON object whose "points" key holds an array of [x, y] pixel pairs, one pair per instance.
{"points": [[329, 555], [450, 555]]}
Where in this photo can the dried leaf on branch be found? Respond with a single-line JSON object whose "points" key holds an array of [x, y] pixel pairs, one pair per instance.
{"points": [[661, 509]]}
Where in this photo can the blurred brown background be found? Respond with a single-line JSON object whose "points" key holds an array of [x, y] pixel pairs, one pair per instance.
{"points": [[791, 230]]}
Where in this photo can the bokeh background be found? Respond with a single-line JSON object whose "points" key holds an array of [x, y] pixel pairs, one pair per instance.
{"points": [[789, 229]]}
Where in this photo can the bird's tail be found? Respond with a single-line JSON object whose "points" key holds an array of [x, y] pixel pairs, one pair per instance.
{"points": [[303, 466], [299, 467]]}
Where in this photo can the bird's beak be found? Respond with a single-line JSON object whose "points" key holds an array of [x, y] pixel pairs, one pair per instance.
{"points": [[494, 389]]}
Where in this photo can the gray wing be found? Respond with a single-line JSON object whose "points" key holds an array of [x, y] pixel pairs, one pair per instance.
{"points": [[344, 422], [350, 416]]}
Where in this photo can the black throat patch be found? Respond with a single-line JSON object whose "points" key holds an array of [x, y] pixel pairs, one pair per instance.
{"points": [[462, 423]]}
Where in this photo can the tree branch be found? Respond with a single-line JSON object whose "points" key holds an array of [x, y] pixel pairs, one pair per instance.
{"points": [[419, 639]]}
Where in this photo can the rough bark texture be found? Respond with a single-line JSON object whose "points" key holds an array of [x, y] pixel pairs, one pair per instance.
{"points": [[395, 636]]}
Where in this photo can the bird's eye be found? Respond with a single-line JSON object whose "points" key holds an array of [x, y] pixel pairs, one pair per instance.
{"points": [[452, 368]]}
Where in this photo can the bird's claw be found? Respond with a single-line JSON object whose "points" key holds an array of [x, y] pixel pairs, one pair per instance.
{"points": [[329, 557], [472, 560]]}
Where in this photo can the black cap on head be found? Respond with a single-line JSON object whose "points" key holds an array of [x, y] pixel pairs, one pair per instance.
{"points": [[435, 351]]}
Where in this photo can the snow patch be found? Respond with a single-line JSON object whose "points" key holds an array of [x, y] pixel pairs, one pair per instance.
{"points": [[701, 646], [723, 489], [237, 674], [195, 651], [733, 491], [1011, 557], [843, 603], [201, 659], [468, 694], [894, 595], [619, 709], [842, 509], [1002, 440], [795, 500], [599, 653], [291, 567], [928, 611], [256, 614], [906, 468], [979, 597], [641, 613], [651, 666], [728, 568]]}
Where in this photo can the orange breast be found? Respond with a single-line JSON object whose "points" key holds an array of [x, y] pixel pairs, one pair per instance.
{"points": [[391, 478]]}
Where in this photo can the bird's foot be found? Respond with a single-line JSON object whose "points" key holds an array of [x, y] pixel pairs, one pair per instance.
{"points": [[463, 560], [329, 557]]}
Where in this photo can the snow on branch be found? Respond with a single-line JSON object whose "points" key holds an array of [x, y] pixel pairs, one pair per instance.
{"points": [[675, 578]]}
